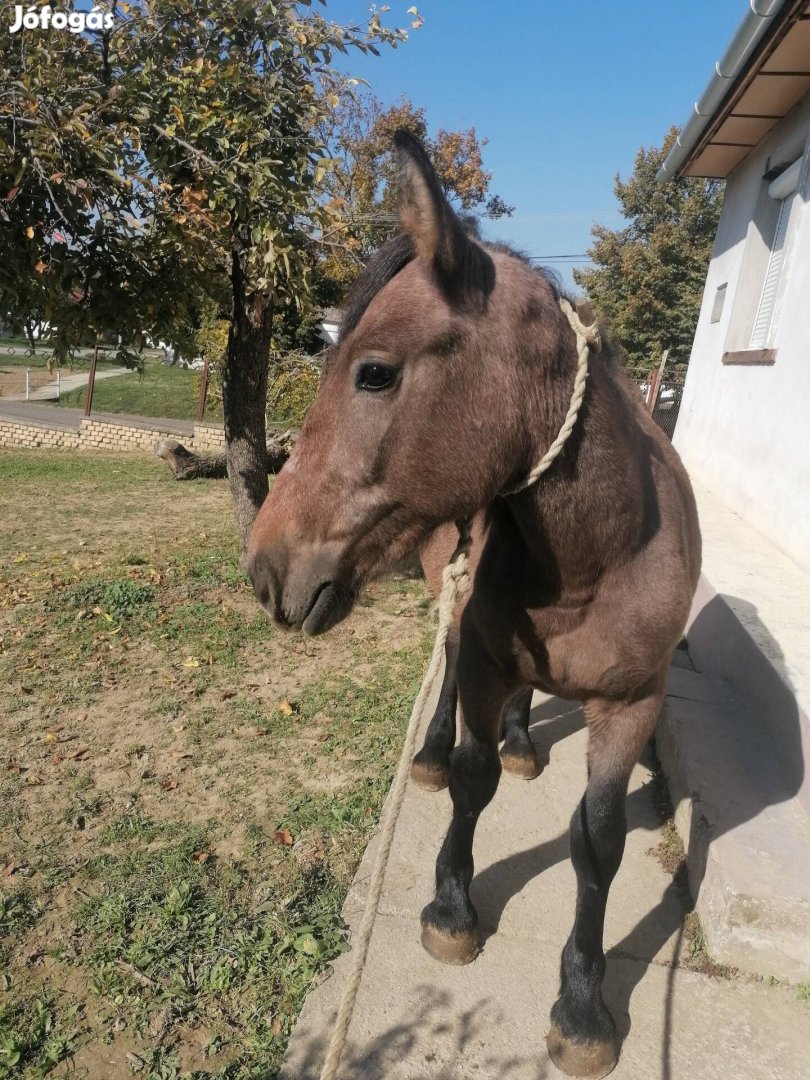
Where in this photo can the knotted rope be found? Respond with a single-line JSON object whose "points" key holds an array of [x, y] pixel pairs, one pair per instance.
{"points": [[455, 586]]}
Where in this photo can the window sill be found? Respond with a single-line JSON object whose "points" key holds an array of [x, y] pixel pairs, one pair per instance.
{"points": [[750, 356]]}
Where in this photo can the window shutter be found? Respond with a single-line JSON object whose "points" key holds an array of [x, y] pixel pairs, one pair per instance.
{"points": [[767, 301]]}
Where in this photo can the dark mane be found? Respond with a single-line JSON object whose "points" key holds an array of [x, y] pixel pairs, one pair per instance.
{"points": [[383, 265], [387, 262]]}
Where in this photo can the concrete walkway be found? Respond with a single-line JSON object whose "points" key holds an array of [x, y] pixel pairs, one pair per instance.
{"points": [[51, 391], [417, 1019]]}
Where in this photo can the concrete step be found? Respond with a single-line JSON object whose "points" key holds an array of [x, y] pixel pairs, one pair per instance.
{"points": [[746, 834]]}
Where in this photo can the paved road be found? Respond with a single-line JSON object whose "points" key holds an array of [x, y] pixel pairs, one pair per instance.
{"points": [[69, 419]]}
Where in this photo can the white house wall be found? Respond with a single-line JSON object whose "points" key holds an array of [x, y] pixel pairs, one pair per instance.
{"points": [[744, 430]]}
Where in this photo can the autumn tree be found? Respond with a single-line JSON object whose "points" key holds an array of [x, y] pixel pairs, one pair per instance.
{"points": [[176, 152], [362, 184], [648, 277]]}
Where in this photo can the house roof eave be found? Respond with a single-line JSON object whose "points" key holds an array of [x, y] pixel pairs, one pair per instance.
{"points": [[758, 34]]}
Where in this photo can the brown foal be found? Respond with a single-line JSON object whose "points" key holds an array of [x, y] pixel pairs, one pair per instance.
{"points": [[452, 378]]}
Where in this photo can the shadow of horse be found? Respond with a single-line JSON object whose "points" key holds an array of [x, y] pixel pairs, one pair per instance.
{"points": [[779, 778]]}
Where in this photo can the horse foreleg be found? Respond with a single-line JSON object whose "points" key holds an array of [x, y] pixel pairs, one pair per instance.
{"points": [[582, 1040], [430, 768], [450, 922]]}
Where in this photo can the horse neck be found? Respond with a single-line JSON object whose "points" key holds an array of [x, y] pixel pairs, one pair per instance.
{"points": [[592, 505]]}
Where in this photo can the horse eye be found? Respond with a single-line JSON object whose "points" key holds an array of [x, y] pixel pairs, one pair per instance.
{"points": [[375, 376]]}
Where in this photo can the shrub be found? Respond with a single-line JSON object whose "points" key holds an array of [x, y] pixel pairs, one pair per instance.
{"points": [[292, 386]]}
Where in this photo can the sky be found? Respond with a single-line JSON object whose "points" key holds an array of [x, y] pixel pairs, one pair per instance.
{"points": [[566, 91]]}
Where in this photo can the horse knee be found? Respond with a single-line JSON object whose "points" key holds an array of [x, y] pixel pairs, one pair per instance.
{"points": [[475, 769]]}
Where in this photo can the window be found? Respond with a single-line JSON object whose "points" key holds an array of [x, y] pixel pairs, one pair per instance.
{"points": [[719, 301], [783, 190]]}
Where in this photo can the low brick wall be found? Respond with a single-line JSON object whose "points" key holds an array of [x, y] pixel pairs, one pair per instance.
{"points": [[209, 437], [23, 434]]}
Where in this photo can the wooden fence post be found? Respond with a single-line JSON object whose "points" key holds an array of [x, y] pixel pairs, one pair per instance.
{"points": [[655, 383], [203, 393], [91, 380]]}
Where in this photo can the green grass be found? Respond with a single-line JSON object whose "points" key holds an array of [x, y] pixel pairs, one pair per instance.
{"points": [[185, 791], [32, 1038], [97, 472], [170, 392]]}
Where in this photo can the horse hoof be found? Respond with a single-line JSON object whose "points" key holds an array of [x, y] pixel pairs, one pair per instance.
{"points": [[525, 766], [429, 775], [456, 949], [591, 1060]]}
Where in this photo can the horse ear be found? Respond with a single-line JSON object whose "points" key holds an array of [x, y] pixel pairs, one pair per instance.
{"points": [[462, 266], [424, 212]]}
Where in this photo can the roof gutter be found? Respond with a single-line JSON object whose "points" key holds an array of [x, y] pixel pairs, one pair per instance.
{"points": [[748, 35]]}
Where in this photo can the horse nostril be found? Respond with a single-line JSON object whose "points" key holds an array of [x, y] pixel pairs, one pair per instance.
{"points": [[265, 584]]}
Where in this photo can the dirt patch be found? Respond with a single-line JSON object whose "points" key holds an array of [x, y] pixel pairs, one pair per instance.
{"points": [[12, 379], [185, 791]]}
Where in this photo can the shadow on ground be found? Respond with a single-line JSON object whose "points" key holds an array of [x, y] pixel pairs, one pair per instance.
{"points": [[777, 780]]}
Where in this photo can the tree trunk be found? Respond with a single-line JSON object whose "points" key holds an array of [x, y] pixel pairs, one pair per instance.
{"points": [[186, 465], [244, 394]]}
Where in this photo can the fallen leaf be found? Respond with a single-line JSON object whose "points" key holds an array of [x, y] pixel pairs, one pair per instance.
{"points": [[276, 1026], [285, 707], [201, 856], [226, 695], [169, 784], [15, 767], [8, 869], [283, 836], [191, 662], [29, 232], [79, 753], [40, 267]]}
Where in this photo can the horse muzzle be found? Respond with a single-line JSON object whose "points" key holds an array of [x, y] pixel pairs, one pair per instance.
{"points": [[302, 595]]}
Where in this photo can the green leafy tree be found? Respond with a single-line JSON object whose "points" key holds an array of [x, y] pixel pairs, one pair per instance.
{"points": [[648, 277], [177, 152]]}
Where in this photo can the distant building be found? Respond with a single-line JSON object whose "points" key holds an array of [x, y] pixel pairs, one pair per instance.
{"points": [[330, 325]]}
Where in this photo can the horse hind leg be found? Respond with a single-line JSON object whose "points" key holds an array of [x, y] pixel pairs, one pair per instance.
{"points": [[582, 1040], [430, 768], [518, 755]]}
